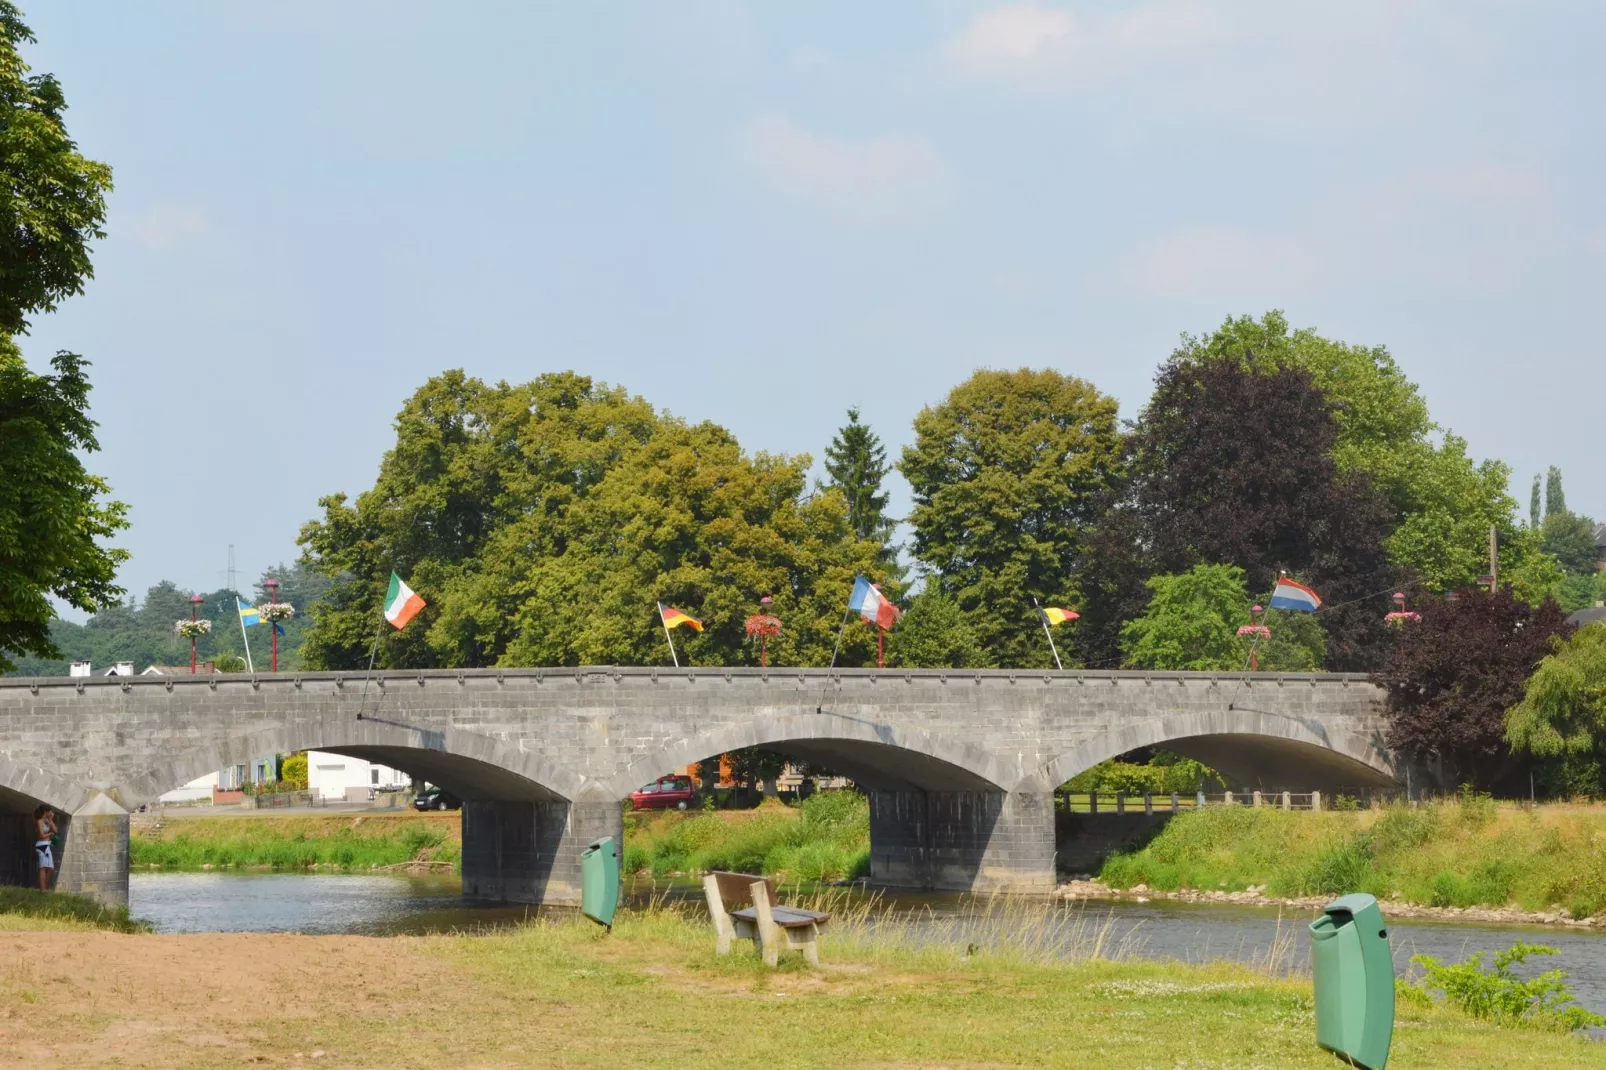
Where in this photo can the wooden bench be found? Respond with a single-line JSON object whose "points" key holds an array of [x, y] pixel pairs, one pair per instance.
{"points": [[744, 906]]}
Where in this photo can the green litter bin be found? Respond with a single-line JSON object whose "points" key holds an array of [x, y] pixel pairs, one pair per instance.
{"points": [[599, 881], [1354, 975]]}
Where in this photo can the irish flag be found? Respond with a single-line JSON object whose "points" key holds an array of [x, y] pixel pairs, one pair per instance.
{"points": [[401, 603]]}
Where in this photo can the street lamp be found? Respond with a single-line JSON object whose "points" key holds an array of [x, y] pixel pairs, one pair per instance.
{"points": [[761, 626], [1255, 632], [1399, 616], [193, 628]]}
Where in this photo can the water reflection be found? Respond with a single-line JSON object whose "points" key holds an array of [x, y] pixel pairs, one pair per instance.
{"points": [[283, 902]]}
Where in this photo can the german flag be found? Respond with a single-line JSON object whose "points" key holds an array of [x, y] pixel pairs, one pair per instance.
{"points": [[1054, 615], [674, 618]]}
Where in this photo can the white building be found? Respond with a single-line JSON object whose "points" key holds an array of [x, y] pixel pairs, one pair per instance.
{"points": [[338, 778]]}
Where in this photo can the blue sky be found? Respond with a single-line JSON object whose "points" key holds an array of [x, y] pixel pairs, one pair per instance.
{"points": [[759, 214]]}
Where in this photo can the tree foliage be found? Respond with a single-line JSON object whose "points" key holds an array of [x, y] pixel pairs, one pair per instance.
{"points": [[1555, 497], [1535, 516], [1563, 707], [1191, 622], [1570, 539], [1452, 675], [1007, 473], [542, 522], [1441, 502], [1235, 466], [856, 464], [53, 521], [934, 634], [52, 199]]}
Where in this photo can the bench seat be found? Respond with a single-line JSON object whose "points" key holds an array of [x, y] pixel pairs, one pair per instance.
{"points": [[785, 917], [744, 906]]}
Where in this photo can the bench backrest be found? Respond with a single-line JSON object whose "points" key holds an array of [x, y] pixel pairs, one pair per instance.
{"points": [[735, 890]]}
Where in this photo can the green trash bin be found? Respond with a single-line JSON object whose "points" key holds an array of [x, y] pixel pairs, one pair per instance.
{"points": [[599, 881], [1354, 974]]}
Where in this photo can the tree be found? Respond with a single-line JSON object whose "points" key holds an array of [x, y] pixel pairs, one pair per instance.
{"points": [[1007, 473], [1570, 539], [1563, 709], [542, 522], [53, 520], [52, 205], [52, 199], [1441, 502], [856, 463], [934, 634], [1555, 499], [1534, 515], [1191, 622], [1453, 674], [1233, 466]]}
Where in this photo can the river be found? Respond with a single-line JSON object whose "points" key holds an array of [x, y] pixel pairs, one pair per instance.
{"points": [[282, 902]]}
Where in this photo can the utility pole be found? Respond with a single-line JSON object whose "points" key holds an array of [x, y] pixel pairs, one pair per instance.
{"points": [[1494, 559]]}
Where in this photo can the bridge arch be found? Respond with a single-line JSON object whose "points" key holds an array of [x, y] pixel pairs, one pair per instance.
{"points": [[1250, 747], [468, 764], [874, 755]]}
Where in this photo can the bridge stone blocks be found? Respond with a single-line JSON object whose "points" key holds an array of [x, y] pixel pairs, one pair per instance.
{"points": [[958, 765]]}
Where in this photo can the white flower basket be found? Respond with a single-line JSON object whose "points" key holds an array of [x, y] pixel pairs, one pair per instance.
{"points": [[192, 629], [275, 612]]}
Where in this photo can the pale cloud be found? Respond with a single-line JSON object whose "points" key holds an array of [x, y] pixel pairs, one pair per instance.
{"points": [[874, 179], [163, 225], [1030, 46], [1479, 228]]}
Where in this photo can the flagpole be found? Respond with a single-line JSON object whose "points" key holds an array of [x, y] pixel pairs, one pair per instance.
{"points": [[246, 638], [672, 655], [372, 651], [839, 633], [1042, 618]]}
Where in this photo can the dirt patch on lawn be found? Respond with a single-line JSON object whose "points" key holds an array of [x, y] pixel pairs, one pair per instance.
{"points": [[101, 999]]}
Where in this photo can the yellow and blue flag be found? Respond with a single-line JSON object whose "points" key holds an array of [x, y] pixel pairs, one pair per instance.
{"points": [[249, 617]]}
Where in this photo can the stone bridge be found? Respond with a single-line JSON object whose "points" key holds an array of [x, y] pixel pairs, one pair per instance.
{"points": [[959, 766]]}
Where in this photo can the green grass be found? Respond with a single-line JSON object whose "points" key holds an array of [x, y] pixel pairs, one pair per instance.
{"points": [[827, 838], [345, 843], [1451, 854], [29, 908], [660, 998]]}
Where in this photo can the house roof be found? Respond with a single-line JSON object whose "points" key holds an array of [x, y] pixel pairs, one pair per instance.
{"points": [[1600, 536], [1596, 615], [178, 670]]}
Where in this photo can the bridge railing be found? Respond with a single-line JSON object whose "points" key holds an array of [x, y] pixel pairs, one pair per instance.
{"points": [[1095, 802]]}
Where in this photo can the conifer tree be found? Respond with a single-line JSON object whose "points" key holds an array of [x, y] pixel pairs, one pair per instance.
{"points": [[856, 463], [1555, 500], [1534, 516]]}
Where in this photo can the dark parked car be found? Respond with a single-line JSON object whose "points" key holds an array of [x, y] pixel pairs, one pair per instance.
{"points": [[436, 799], [665, 793]]}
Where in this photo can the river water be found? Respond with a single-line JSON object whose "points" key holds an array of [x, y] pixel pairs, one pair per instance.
{"points": [[282, 902]]}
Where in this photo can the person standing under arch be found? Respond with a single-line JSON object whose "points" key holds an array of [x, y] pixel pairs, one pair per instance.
{"points": [[44, 823]]}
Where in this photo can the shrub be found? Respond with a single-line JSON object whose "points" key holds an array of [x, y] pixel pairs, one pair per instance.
{"points": [[1498, 995]]}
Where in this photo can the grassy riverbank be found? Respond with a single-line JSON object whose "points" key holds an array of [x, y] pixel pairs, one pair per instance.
{"points": [[1454, 854], [652, 994], [31, 909], [827, 838], [326, 841]]}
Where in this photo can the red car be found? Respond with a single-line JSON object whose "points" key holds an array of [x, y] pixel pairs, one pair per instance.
{"points": [[667, 792]]}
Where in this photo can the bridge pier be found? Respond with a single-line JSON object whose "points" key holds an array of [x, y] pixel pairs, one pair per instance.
{"points": [[965, 841], [93, 859], [516, 851]]}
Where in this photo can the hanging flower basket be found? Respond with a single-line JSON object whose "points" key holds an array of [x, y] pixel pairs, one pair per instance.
{"points": [[1256, 631], [276, 611], [192, 629], [763, 626], [1398, 618]]}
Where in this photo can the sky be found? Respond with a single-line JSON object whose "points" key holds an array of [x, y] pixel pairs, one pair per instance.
{"points": [[761, 214]]}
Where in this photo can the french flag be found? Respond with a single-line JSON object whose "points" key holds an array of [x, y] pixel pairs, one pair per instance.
{"points": [[872, 605], [1295, 596]]}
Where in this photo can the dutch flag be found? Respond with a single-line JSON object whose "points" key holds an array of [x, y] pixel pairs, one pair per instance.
{"points": [[1295, 597]]}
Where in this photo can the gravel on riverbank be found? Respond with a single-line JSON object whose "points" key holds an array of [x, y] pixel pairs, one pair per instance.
{"points": [[1254, 896]]}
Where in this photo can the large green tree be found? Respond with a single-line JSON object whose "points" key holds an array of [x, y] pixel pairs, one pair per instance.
{"points": [[934, 634], [53, 520], [1570, 539], [1555, 497], [1008, 472], [543, 522]]}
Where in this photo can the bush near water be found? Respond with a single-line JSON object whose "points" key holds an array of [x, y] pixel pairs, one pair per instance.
{"points": [[1459, 853], [826, 838]]}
